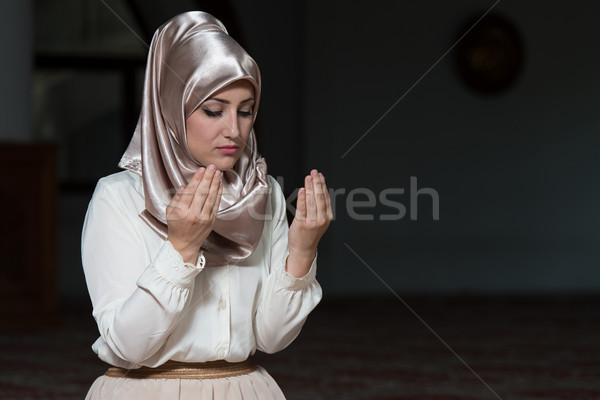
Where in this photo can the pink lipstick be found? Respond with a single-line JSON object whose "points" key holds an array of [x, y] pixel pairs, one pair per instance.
{"points": [[228, 149]]}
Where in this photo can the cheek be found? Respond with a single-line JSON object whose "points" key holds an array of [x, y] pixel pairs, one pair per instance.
{"points": [[247, 128], [190, 128], [196, 130]]}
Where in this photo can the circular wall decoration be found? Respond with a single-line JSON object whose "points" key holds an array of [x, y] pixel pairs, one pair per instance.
{"points": [[489, 57]]}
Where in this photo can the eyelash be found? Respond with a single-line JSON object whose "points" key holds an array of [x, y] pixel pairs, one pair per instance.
{"points": [[216, 114]]}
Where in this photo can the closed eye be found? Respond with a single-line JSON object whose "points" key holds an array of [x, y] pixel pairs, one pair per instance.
{"points": [[212, 114]]}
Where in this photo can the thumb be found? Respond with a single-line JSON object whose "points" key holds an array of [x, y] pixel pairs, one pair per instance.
{"points": [[301, 205]]}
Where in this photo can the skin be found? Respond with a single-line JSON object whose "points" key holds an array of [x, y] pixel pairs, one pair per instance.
{"points": [[226, 119]]}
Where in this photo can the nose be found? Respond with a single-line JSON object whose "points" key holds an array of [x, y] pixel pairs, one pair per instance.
{"points": [[232, 126]]}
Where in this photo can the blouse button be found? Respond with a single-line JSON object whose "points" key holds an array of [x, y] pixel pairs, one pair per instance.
{"points": [[221, 353], [223, 304]]}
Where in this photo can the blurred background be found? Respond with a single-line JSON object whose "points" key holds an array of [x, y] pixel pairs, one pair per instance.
{"points": [[493, 139]]}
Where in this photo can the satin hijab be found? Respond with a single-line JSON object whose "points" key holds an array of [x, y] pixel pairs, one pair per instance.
{"points": [[192, 56]]}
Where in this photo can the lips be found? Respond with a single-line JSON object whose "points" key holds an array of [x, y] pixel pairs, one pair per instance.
{"points": [[228, 150]]}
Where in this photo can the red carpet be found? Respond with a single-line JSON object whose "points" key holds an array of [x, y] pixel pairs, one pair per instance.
{"points": [[526, 348]]}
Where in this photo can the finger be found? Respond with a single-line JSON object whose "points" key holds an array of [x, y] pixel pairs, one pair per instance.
{"points": [[190, 190], [175, 209], [218, 201], [301, 205], [213, 191], [311, 205], [327, 197], [178, 195], [320, 193], [202, 191]]}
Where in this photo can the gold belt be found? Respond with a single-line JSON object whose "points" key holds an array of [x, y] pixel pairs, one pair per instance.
{"points": [[184, 370]]}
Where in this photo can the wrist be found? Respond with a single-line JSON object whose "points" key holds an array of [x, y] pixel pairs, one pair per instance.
{"points": [[299, 261], [189, 254], [303, 254], [199, 264]]}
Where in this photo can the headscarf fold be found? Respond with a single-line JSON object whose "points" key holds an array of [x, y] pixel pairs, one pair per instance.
{"points": [[191, 57]]}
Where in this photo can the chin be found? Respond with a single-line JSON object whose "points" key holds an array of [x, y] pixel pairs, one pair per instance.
{"points": [[226, 164]]}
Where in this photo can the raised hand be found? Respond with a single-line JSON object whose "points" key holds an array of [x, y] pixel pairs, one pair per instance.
{"points": [[192, 212], [313, 215]]}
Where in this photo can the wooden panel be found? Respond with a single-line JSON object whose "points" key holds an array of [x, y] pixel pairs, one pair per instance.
{"points": [[28, 200]]}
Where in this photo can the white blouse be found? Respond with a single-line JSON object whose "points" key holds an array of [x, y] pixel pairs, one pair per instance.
{"points": [[150, 308]]}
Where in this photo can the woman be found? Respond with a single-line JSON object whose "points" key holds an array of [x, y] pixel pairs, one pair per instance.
{"points": [[187, 254]]}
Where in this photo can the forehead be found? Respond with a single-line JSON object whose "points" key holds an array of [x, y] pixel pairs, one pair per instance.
{"points": [[239, 85]]}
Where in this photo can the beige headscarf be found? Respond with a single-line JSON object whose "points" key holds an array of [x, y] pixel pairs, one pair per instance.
{"points": [[191, 57]]}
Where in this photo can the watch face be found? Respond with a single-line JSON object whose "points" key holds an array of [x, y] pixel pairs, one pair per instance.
{"points": [[490, 56]]}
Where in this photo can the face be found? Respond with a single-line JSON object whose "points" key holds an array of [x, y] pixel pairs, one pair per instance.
{"points": [[217, 131]]}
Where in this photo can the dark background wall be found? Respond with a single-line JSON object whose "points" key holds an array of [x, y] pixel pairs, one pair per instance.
{"points": [[515, 174]]}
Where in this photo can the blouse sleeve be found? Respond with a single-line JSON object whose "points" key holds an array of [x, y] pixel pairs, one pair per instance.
{"points": [[135, 305], [286, 301]]}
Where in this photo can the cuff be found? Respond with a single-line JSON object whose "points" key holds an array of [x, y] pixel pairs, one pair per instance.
{"points": [[290, 282], [169, 264]]}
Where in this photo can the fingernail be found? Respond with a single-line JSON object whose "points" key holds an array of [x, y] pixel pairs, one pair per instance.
{"points": [[211, 167], [218, 173], [201, 169]]}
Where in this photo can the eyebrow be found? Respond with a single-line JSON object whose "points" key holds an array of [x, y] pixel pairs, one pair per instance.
{"points": [[227, 101]]}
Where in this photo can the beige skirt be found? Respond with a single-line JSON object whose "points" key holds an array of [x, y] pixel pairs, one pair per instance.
{"points": [[255, 385]]}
